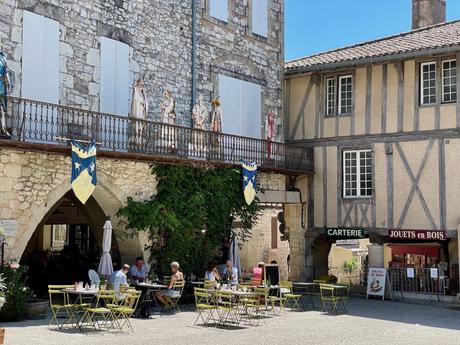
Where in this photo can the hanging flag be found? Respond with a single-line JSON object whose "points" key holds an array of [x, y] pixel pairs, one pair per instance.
{"points": [[249, 181], [83, 178]]}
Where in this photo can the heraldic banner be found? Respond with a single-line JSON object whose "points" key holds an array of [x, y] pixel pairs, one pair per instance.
{"points": [[249, 181], [83, 177]]}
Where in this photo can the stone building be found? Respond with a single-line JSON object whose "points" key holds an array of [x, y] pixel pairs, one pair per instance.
{"points": [[75, 63], [383, 119]]}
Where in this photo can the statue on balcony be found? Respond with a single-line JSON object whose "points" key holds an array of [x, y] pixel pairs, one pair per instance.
{"points": [[139, 111], [270, 128], [199, 116], [5, 86], [168, 117], [216, 120]]}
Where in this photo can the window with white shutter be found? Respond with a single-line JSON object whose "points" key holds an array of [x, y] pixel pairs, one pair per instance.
{"points": [[260, 17], [219, 9], [114, 96]]}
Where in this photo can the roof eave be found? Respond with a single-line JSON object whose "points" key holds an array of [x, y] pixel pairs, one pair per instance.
{"points": [[372, 60]]}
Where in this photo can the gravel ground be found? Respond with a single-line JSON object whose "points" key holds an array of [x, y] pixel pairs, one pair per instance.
{"points": [[368, 322]]}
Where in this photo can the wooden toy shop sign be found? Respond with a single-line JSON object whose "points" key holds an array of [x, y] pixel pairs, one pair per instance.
{"points": [[432, 235]]}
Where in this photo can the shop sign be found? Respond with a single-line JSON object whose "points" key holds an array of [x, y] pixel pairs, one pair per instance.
{"points": [[345, 233], [431, 235], [376, 282]]}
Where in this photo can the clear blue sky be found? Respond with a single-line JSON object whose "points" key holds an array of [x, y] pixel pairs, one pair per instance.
{"points": [[314, 26]]}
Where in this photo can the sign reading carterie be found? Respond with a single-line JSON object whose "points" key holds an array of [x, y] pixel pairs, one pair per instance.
{"points": [[345, 233], [434, 235]]}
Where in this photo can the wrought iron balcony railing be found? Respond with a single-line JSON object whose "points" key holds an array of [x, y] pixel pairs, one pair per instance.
{"points": [[37, 122]]}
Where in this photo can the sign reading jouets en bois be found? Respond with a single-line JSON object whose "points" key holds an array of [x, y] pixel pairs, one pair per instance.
{"points": [[345, 233], [434, 235]]}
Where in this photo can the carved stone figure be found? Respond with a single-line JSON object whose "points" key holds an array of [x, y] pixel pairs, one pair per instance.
{"points": [[199, 116], [139, 111], [168, 116], [216, 117], [270, 128]]}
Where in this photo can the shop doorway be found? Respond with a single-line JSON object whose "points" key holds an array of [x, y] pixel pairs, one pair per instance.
{"points": [[66, 244]]}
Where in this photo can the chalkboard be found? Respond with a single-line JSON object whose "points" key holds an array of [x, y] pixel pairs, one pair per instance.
{"points": [[272, 273]]}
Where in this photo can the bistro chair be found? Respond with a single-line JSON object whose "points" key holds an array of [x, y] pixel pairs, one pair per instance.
{"points": [[227, 309], [178, 288], [332, 301], [209, 284], [60, 306], [252, 309], [124, 311], [267, 300], [204, 303], [99, 316], [288, 297]]}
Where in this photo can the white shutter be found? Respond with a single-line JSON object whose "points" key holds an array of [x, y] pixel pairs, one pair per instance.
{"points": [[219, 9], [40, 58], [114, 77], [260, 17], [241, 107]]}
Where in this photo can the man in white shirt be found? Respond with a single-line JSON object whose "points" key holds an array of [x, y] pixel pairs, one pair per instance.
{"points": [[230, 272], [119, 279]]}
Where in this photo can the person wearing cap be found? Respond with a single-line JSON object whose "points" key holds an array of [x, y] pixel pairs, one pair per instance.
{"points": [[118, 279]]}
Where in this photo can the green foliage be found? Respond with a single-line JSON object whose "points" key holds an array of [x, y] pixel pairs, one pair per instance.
{"points": [[350, 266], [2, 291], [16, 292], [188, 201]]}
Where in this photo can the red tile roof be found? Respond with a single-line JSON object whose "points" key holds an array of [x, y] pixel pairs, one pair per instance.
{"points": [[443, 35]]}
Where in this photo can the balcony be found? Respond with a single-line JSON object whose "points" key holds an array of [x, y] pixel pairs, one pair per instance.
{"points": [[44, 126]]}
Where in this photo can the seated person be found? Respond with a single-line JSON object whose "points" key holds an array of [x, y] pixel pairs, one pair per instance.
{"points": [[212, 273], [138, 273], [170, 292], [118, 279], [258, 274], [230, 273]]}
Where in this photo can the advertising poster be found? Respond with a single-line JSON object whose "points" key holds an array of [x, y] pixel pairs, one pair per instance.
{"points": [[376, 280]]}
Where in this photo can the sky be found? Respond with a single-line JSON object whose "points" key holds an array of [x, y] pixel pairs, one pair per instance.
{"points": [[313, 26]]}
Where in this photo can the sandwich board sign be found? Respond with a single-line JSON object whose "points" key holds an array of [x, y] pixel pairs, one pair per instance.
{"points": [[376, 282]]}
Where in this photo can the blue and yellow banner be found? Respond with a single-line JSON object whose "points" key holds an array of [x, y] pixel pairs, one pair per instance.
{"points": [[83, 178], [249, 181]]}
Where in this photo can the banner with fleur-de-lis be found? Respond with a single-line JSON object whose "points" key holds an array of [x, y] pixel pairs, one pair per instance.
{"points": [[83, 179], [249, 181]]}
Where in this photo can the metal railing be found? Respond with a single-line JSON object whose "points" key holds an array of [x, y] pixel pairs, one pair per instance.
{"points": [[424, 281], [39, 122]]}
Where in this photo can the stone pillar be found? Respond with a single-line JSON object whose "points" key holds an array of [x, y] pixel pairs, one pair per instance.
{"points": [[375, 254], [293, 214], [458, 248]]}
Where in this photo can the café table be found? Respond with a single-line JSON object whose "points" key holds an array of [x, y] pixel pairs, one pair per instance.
{"points": [[148, 291], [306, 289], [82, 298]]}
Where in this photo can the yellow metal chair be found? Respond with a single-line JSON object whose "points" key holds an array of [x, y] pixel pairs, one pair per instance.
{"points": [[332, 301], [101, 316], [204, 303], [227, 309], [209, 284], [267, 300], [173, 301], [60, 306], [252, 309], [123, 312], [288, 298]]}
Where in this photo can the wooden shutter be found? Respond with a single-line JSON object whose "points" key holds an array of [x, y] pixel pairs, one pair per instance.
{"points": [[274, 232], [114, 96], [219, 9], [260, 17], [40, 58]]}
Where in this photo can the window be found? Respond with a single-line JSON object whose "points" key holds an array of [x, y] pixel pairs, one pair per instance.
{"points": [[331, 96], [357, 173], [428, 83], [40, 58], [219, 9], [449, 81], [274, 233], [59, 238], [114, 95], [241, 105], [345, 94], [260, 17]]}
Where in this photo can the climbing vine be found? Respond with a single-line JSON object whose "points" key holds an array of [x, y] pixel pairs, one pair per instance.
{"points": [[191, 215]]}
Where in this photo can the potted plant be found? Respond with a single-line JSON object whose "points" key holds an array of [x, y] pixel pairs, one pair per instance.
{"points": [[2, 302], [349, 267]]}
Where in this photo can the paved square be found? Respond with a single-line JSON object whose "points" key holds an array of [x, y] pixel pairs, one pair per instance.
{"points": [[368, 322]]}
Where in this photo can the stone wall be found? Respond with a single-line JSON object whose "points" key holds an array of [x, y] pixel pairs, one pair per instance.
{"points": [[159, 33], [31, 183]]}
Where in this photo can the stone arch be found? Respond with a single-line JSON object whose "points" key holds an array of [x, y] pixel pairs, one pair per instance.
{"points": [[108, 196]]}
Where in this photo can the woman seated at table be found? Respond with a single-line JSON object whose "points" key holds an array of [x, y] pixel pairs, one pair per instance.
{"points": [[212, 273], [258, 274], [170, 292]]}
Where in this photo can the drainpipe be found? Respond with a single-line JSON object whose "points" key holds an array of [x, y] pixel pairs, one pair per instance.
{"points": [[194, 28]]}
